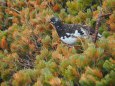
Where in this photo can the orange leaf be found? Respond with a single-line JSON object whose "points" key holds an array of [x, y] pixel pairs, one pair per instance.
{"points": [[38, 2], [55, 82], [15, 14], [56, 55], [4, 44], [112, 26], [15, 20], [98, 73], [56, 7], [95, 14]]}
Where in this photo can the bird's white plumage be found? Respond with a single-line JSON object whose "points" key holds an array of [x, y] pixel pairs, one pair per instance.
{"points": [[73, 37], [84, 31], [68, 33], [70, 40], [99, 35], [77, 34]]}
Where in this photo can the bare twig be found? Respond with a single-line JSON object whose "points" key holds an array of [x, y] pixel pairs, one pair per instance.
{"points": [[15, 10], [106, 15], [98, 22]]}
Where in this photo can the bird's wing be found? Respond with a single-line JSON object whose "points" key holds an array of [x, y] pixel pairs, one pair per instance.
{"points": [[76, 30], [70, 28]]}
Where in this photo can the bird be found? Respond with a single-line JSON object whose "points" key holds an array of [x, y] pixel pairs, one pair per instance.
{"points": [[71, 33]]}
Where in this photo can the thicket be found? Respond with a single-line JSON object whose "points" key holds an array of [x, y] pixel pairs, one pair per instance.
{"points": [[31, 53]]}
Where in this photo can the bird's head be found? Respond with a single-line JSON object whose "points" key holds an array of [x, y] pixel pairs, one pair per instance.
{"points": [[55, 21]]}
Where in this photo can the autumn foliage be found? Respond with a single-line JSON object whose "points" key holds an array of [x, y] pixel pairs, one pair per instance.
{"points": [[31, 53]]}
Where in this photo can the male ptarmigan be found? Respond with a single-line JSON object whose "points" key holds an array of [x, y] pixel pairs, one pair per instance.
{"points": [[70, 33]]}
